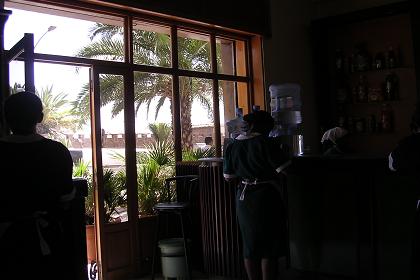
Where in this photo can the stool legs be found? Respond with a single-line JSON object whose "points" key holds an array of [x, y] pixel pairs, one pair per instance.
{"points": [[187, 264]]}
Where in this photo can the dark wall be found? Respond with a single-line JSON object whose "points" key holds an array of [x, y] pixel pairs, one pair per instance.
{"points": [[288, 58], [288, 51], [246, 15]]}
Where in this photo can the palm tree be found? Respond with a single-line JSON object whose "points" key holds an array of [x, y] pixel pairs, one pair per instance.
{"points": [[160, 131], [56, 110], [57, 113], [150, 48]]}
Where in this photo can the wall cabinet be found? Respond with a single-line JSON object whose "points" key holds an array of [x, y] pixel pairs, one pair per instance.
{"points": [[366, 80]]}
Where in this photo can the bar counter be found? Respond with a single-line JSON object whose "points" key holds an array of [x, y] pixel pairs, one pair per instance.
{"points": [[351, 216], [348, 216]]}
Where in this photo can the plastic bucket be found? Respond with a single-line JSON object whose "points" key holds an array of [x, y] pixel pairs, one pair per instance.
{"points": [[173, 258]]}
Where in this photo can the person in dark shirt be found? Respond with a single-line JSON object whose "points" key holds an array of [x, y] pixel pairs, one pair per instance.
{"points": [[405, 159], [257, 161], [36, 184]]}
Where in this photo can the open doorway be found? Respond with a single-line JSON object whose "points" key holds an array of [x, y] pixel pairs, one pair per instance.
{"points": [[58, 87]]}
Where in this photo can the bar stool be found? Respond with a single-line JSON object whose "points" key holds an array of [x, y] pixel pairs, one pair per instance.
{"points": [[180, 192]]}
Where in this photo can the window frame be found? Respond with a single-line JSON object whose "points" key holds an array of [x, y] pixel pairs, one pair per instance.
{"points": [[175, 25]]}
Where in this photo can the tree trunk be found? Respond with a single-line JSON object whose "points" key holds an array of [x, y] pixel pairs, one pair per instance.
{"points": [[186, 126]]}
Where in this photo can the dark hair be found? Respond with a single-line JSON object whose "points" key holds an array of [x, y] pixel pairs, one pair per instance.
{"points": [[22, 111], [260, 121]]}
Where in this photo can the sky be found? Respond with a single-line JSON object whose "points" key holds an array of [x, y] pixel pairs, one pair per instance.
{"points": [[66, 39]]}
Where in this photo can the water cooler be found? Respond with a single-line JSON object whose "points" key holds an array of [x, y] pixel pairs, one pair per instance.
{"points": [[286, 110]]}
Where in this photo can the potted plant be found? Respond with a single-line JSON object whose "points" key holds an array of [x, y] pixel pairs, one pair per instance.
{"points": [[114, 199]]}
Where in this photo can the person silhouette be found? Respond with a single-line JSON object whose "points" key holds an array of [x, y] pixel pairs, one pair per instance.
{"points": [[36, 188], [258, 161], [405, 159]]}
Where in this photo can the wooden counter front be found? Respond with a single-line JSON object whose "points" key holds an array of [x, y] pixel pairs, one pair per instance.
{"points": [[350, 216]]}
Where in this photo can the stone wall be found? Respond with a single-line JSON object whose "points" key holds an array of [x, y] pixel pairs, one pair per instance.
{"points": [[79, 141]]}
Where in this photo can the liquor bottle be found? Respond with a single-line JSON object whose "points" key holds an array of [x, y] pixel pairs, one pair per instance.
{"points": [[359, 125], [361, 89], [391, 59], [362, 58], [379, 61], [387, 122], [342, 91], [391, 86], [339, 61], [371, 124]]}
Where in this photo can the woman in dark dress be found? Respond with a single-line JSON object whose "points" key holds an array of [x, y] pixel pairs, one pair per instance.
{"points": [[257, 161], [36, 187]]}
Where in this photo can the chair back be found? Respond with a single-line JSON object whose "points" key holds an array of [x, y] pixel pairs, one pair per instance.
{"points": [[181, 188]]}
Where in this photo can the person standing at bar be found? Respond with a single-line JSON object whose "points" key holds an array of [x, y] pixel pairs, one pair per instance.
{"points": [[405, 159], [258, 162]]}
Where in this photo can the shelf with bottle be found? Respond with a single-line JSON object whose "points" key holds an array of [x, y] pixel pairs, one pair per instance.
{"points": [[364, 91], [370, 123], [361, 61]]}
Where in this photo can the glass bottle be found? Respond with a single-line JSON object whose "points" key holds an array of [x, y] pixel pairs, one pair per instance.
{"points": [[361, 89], [342, 91], [362, 58], [339, 60], [379, 61], [387, 124], [391, 59], [391, 86]]}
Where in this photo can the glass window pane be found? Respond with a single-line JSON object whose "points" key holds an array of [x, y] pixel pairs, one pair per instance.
{"points": [[113, 147], [197, 120], [242, 96], [74, 34], [227, 105], [151, 44], [154, 138], [241, 60], [194, 51], [225, 55]]}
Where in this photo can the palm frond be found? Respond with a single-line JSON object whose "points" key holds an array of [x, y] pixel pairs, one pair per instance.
{"points": [[161, 131], [104, 30], [197, 153], [105, 48]]}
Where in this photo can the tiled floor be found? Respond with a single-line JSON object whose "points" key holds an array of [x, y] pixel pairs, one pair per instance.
{"points": [[285, 275]]}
